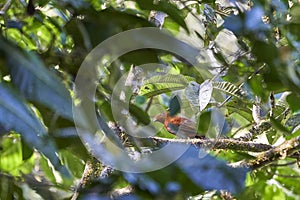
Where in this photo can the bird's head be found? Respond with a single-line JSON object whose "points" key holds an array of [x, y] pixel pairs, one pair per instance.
{"points": [[160, 117]]}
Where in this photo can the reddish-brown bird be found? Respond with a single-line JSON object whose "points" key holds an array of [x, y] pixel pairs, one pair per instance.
{"points": [[180, 126]]}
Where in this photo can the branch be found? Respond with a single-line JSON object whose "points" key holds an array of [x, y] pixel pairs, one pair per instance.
{"points": [[5, 7], [268, 153], [286, 149], [221, 143], [91, 172]]}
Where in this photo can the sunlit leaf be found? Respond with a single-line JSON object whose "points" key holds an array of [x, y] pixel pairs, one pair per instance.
{"points": [[166, 7], [11, 158], [163, 83]]}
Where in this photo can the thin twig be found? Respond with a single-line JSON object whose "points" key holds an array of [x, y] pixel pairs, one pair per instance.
{"points": [[5, 7], [149, 104], [283, 164], [287, 176]]}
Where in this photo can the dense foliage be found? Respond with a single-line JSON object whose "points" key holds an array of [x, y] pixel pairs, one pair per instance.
{"points": [[250, 48]]}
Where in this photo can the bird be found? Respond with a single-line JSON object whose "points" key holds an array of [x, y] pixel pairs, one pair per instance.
{"points": [[179, 126]]}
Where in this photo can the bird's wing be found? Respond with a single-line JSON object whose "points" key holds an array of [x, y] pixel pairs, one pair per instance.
{"points": [[182, 127], [187, 128]]}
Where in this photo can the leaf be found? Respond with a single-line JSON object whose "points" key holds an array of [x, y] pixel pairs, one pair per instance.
{"points": [[40, 188], [174, 105], [205, 93], [293, 100], [241, 109], [166, 7], [11, 156], [27, 152], [163, 83], [289, 183], [229, 88], [258, 87], [10, 188], [192, 93], [276, 124], [204, 121], [16, 115], [74, 164], [36, 82], [193, 89], [140, 114]]}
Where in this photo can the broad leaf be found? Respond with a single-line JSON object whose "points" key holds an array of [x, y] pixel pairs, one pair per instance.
{"points": [[205, 93], [11, 156], [192, 93], [174, 105], [199, 95], [166, 7], [229, 88], [36, 82], [16, 115], [163, 83]]}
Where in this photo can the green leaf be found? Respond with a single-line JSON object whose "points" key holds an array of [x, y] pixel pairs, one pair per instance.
{"points": [[289, 183], [140, 114], [27, 152], [276, 124], [293, 135], [73, 163], [16, 115], [36, 82], [163, 83], [258, 87], [167, 7], [10, 189], [229, 88], [273, 192], [295, 14], [204, 121], [47, 170], [11, 156], [293, 100]]}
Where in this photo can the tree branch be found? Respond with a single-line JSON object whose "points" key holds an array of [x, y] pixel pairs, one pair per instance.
{"points": [[219, 143], [286, 149], [91, 172], [5, 7], [269, 154]]}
